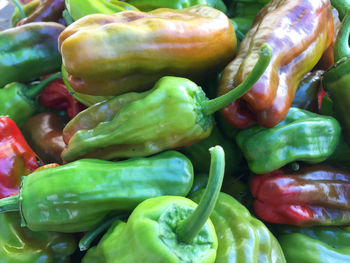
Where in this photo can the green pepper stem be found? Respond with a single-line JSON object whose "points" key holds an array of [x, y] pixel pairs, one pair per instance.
{"points": [[341, 49], [9, 204], [342, 7], [190, 227], [67, 18], [211, 106], [20, 8], [32, 92]]}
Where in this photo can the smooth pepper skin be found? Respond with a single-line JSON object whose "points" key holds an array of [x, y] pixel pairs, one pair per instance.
{"points": [[168, 117], [139, 48], [76, 197], [301, 136], [20, 245], [241, 237], [29, 51], [298, 45], [313, 195], [17, 159]]}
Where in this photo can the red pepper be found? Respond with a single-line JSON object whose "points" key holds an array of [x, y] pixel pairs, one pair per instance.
{"points": [[17, 159], [56, 97]]}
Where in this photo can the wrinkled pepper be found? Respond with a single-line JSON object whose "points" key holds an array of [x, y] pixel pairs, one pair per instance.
{"points": [[43, 133], [176, 106], [301, 136], [78, 196], [20, 245], [80, 8], [313, 195], [166, 228], [18, 101], [299, 44], [28, 9], [139, 48], [241, 237], [29, 51], [17, 159]]}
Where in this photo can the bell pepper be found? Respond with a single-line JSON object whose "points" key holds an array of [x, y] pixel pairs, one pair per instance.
{"points": [[20, 245], [28, 9], [299, 44], [177, 107], [166, 228], [29, 51], [55, 96], [301, 136], [241, 237], [18, 101], [336, 79], [139, 48], [17, 159], [76, 197], [80, 8], [313, 195], [43, 133]]}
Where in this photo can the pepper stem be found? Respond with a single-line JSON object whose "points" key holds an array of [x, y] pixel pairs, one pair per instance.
{"points": [[341, 49], [190, 227], [67, 18], [20, 8], [32, 92], [342, 7], [9, 204], [211, 106]]}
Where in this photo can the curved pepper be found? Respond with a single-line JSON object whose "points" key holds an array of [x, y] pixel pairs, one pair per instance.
{"points": [[166, 228], [139, 48], [301, 136], [27, 9], [299, 44], [29, 51], [20, 245], [174, 114], [241, 237], [77, 196], [314, 195], [17, 159]]}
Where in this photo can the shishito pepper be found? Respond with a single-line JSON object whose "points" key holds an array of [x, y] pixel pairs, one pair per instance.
{"points": [[241, 237], [20, 245], [139, 48], [77, 196], [175, 113], [301, 136], [29, 51], [285, 26], [313, 195], [166, 228], [27, 10], [17, 159]]}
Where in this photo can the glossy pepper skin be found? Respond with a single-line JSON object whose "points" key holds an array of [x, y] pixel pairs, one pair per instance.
{"points": [[77, 196], [301, 136], [17, 159], [313, 195], [241, 237], [29, 51], [44, 133], [167, 228], [298, 45], [193, 42], [20, 245], [80, 8]]}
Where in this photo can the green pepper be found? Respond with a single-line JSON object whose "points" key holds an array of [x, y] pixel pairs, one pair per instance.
{"points": [[17, 101], [166, 228], [29, 51], [174, 114], [28, 9], [80, 8], [77, 196], [20, 245], [301, 136], [241, 237]]}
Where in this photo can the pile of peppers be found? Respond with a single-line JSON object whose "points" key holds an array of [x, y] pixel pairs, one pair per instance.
{"points": [[175, 131]]}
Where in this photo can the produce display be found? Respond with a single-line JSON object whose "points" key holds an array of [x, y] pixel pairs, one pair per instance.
{"points": [[175, 131]]}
